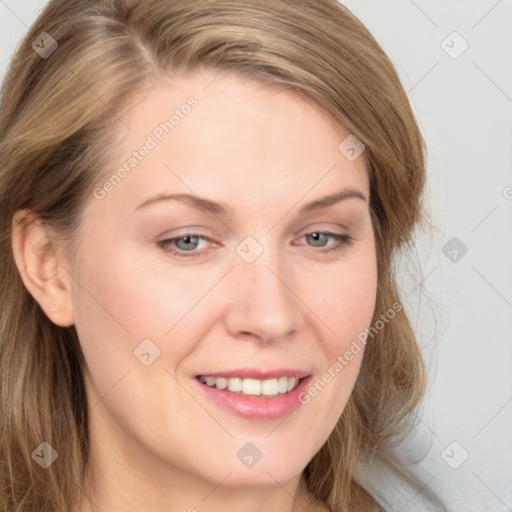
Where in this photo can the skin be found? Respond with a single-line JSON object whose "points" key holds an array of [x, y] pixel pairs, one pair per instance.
{"points": [[158, 444]]}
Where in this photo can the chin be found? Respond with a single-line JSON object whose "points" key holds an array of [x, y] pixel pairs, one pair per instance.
{"points": [[265, 474]]}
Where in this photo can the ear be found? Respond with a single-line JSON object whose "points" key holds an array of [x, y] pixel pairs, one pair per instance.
{"points": [[38, 260]]}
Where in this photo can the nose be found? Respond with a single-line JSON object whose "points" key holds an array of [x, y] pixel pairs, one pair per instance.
{"points": [[262, 301]]}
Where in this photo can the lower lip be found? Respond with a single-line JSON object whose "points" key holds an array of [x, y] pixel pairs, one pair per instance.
{"points": [[257, 407]]}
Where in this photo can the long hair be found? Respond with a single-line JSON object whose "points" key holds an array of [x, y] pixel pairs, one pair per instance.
{"points": [[59, 123]]}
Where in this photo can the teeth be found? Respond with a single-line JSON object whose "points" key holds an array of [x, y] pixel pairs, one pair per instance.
{"points": [[252, 387], [269, 387], [234, 384], [282, 384], [210, 381], [220, 382], [291, 383]]}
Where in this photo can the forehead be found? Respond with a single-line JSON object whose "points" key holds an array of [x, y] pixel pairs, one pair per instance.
{"points": [[214, 133]]}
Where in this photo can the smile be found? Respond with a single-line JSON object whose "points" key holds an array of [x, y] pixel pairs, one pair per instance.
{"points": [[254, 393], [252, 387]]}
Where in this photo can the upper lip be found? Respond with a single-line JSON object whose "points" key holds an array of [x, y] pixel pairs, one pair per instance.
{"points": [[257, 373]]}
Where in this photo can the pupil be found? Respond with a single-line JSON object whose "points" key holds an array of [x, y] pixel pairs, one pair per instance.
{"points": [[316, 236], [186, 240]]}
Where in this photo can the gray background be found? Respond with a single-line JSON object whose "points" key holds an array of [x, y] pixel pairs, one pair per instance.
{"points": [[462, 310]]}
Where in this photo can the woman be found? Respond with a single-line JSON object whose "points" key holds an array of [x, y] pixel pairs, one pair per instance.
{"points": [[270, 365]]}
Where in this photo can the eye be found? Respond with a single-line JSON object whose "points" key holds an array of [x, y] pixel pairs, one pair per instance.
{"points": [[341, 241], [189, 244], [185, 246]]}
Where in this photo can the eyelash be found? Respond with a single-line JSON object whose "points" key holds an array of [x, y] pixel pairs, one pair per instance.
{"points": [[342, 242]]}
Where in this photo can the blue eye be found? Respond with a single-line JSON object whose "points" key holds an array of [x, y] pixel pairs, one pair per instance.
{"points": [[341, 240], [190, 241]]}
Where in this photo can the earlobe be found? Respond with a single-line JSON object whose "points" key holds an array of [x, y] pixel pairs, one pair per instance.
{"points": [[38, 261]]}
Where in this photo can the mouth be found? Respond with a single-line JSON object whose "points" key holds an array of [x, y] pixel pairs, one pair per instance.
{"points": [[250, 386], [255, 394]]}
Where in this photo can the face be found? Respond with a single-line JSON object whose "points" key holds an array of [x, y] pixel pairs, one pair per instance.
{"points": [[247, 286]]}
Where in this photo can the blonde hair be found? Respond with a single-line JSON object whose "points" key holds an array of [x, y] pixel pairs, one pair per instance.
{"points": [[59, 125]]}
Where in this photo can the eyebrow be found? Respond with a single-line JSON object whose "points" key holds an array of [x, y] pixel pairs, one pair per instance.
{"points": [[223, 210]]}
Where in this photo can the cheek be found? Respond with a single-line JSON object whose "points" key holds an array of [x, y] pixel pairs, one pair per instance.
{"points": [[126, 294], [115, 310], [346, 302], [122, 300], [346, 306]]}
